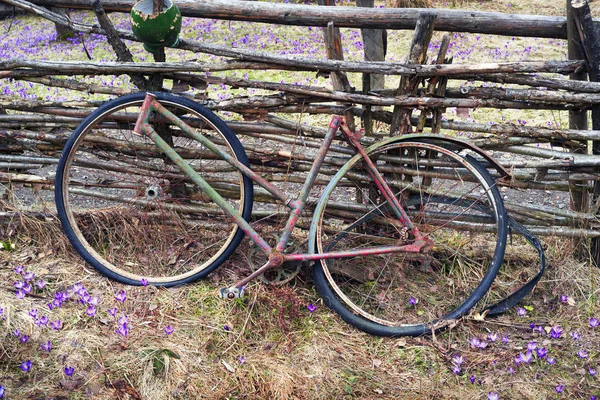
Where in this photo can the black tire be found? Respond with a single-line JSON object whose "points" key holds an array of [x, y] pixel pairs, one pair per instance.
{"points": [[131, 213], [351, 214]]}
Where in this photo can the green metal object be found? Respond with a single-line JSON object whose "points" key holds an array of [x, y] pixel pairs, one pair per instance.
{"points": [[156, 29]]}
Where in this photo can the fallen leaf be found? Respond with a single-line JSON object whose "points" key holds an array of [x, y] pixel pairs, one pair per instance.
{"points": [[227, 366], [376, 363]]}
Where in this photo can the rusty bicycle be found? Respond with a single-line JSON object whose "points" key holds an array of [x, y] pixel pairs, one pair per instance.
{"points": [[407, 235]]}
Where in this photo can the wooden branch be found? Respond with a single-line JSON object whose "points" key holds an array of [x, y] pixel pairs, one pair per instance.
{"points": [[351, 17]]}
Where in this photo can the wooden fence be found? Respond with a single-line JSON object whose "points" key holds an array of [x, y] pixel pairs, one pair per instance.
{"points": [[28, 138]]}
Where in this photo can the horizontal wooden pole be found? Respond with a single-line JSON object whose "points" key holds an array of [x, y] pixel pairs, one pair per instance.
{"points": [[352, 17]]}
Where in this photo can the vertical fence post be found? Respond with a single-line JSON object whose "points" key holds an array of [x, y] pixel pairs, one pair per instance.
{"points": [[375, 43], [578, 119], [590, 38]]}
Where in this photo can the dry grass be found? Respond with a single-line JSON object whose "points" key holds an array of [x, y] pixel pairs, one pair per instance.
{"points": [[289, 352]]}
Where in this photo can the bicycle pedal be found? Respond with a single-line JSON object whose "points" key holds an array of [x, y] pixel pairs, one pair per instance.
{"points": [[231, 293]]}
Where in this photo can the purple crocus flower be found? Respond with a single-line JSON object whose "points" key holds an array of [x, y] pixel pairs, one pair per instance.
{"points": [[20, 294], [43, 320], [526, 358], [493, 396], [559, 388], [169, 329], [564, 298], [17, 333], [493, 336], [33, 313], [456, 369], [123, 320], [505, 339], [41, 284], [521, 312], [56, 325], [28, 276], [24, 339], [20, 269], [69, 371], [575, 335], [242, 360], [531, 346], [1, 391], [25, 366], [91, 311], [226, 327], [112, 311], [121, 296], [556, 332], [475, 342], [458, 359], [541, 352], [594, 322], [510, 370], [312, 308], [47, 346], [144, 282], [413, 301], [472, 379], [592, 372], [551, 360], [123, 330], [582, 353], [19, 285]]}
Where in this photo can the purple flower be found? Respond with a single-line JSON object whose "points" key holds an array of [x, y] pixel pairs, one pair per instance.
{"points": [[113, 311], [33, 313], [20, 269], [24, 339], [510, 370], [19, 285], [413, 301], [47, 346], [456, 369], [493, 396], [551, 360], [594, 322], [69, 371], [531, 346], [559, 388], [518, 360], [475, 342], [575, 335], [458, 359], [592, 372], [56, 325], [242, 360], [42, 321], [556, 332], [144, 282], [121, 296], [123, 320], [482, 344], [28, 276], [17, 333], [169, 329], [312, 308], [493, 336], [25, 366], [564, 298], [41, 284], [1, 391], [93, 301], [123, 330], [505, 339], [472, 379], [20, 295], [526, 358], [226, 327], [541, 352], [521, 311], [91, 311], [582, 353]]}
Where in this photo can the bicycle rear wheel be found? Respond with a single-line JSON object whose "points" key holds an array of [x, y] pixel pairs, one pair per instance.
{"points": [[131, 213], [449, 197]]}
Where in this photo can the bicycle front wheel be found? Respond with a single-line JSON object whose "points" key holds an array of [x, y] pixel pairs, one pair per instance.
{"points": [[131, 213], [449, 197]]}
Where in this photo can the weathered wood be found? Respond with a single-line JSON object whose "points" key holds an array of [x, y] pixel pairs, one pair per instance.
{"points": [[409, 85], [590, 38], [352, 17]]}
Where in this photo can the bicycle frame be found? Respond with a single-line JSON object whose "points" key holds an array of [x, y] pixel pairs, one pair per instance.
{"points": [[421, 243]]}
